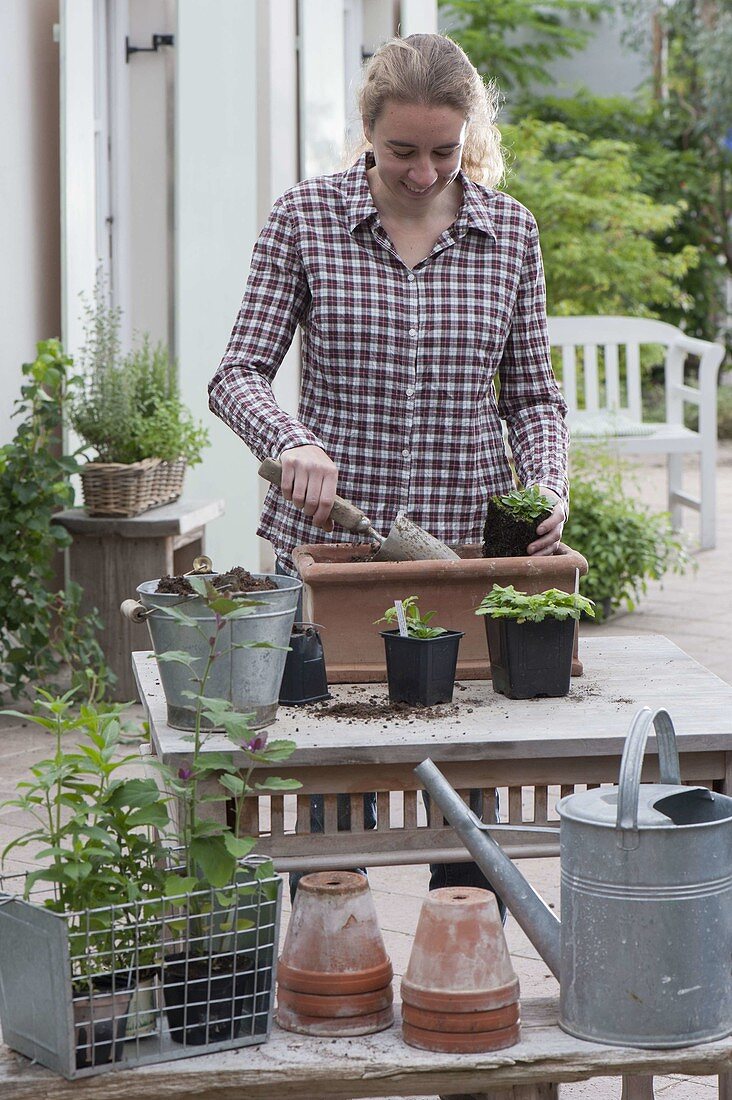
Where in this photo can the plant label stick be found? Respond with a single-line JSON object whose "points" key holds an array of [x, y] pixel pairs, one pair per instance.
{"points": [[401, 618]]}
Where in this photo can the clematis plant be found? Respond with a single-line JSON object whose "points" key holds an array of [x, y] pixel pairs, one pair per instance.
{"points": [[211, 848]]}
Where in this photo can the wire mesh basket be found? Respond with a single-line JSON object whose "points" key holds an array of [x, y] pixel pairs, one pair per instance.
{"points": [[148, 981]]}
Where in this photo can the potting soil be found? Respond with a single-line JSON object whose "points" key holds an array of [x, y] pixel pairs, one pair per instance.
{"points": [[504, 536], [237, 579]]}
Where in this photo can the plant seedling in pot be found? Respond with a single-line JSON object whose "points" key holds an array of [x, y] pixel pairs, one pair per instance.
{"points": [[530, 639], [102, 864], [511, 522], [208, 979], [420, 659]]}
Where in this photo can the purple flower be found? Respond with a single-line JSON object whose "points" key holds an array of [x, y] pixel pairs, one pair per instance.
{"points": [[185, 774], [255, 744]]}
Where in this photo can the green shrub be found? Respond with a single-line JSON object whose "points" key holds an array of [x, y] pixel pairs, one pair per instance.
{"points": [[625, 543], [598, 227], [41, 629]]}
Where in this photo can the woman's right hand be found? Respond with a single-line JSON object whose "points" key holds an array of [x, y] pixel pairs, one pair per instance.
{"points": [[309, 480]]}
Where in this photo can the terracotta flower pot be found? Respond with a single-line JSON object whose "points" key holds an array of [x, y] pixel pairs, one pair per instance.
{"points": [[334, 974], [353, 648], [460, 980]]}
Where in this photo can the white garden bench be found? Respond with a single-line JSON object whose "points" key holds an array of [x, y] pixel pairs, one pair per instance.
{"points": [[602, 387]]}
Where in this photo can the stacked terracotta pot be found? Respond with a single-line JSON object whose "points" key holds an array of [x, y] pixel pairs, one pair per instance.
{"points": [[460, 992], [334, 976]]}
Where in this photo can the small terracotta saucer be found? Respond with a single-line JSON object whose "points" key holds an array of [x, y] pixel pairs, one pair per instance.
{"points": [[329, 982], [446, 1042], [461, 1022], [357, 1004], [351, 1026]]}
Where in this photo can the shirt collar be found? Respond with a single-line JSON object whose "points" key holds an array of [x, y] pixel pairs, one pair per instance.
{"points": [[360, 205]]}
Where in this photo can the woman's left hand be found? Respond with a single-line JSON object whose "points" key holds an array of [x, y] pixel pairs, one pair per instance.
{"points": [[550, 529]]}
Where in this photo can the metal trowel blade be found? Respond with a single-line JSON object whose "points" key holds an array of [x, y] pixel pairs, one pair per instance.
{"points": [[408, 542]]}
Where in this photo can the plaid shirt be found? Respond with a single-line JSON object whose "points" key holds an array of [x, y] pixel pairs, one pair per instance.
{"points": [[398, 366]]}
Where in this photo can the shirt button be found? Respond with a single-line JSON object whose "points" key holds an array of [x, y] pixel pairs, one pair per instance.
{"points": [[405, 453], [410, 278], [410, 391], [412, 332]]}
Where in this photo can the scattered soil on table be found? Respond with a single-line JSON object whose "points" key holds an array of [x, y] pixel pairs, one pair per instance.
{"points": [[374, 709], [504, 536], [237, 579]]}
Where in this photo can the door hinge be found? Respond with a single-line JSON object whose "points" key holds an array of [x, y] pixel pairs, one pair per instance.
{"points": [[158, 40]]}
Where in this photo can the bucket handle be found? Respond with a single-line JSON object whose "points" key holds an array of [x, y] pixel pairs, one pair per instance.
{"points": [[632, 763]]}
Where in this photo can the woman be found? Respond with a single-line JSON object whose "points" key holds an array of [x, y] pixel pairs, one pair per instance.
{"points": [[416, 285]]}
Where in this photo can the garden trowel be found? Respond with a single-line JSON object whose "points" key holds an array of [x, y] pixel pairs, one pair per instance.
{"points": [[405, 541]]}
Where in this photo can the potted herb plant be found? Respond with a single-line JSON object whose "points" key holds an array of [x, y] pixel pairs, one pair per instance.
{"points": [[129, 412], [420, 659], [115, 902], [100, 857], [530, 639], [511, 522], [218, 975]]}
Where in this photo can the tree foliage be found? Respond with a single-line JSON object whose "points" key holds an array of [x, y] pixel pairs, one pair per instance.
{"points": [[598, 227], [513, 41]]}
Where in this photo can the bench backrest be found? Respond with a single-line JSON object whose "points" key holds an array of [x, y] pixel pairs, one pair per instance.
{"points": [[607, 372]]}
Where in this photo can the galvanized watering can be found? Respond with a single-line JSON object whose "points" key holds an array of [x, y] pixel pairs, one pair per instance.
{"points": [[644, 950]]}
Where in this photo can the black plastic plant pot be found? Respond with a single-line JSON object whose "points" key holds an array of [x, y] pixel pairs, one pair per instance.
{"points": [[304, 679], [421, 670], [208, 1000], [530, 659]]}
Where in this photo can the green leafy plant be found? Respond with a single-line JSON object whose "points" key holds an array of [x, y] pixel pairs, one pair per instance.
{"points": [[211, 850], [548, 30], [97, 833], [528, 505], [625, 543], [41, 628], [129, 407], [417, 625], [508, 603], [584, 195]]}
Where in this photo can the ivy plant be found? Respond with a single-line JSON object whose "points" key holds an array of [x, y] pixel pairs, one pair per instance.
{"points": [[212, 851], [41, 628], [508, 603], [417, 624]]}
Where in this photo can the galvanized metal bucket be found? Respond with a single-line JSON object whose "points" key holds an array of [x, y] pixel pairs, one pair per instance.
{"points": [[249, 678], [646, 902]]}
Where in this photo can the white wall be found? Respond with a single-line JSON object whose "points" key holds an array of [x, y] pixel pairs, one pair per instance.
{"points": [[150, 168], [217, 69], [29, 190], [606, 66]]}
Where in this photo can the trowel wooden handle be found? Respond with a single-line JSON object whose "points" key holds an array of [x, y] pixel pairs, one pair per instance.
{"points": [[343, 513]]}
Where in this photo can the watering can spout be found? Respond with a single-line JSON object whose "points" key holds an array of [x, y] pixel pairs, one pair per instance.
{"points": [[530, 911]]}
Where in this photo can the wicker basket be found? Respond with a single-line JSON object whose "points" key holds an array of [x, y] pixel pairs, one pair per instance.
{"points": [[127, 489], [167, 482]]}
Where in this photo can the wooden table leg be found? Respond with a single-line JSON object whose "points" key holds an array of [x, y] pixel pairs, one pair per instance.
{"points": [[637, 1088], [725, 1086]]}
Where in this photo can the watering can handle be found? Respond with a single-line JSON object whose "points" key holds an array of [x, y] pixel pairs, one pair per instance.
{"points": [[632, 763]]}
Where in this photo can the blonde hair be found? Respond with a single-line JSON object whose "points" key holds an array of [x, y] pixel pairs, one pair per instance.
{"points": [[432, 70]]}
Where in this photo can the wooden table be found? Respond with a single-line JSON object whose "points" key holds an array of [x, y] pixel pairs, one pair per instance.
{"points": [[110, 556], [537, 750], [306, 1068]]}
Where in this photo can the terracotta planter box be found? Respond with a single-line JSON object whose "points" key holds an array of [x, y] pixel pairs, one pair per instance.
{"points": [[345, 596]]}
